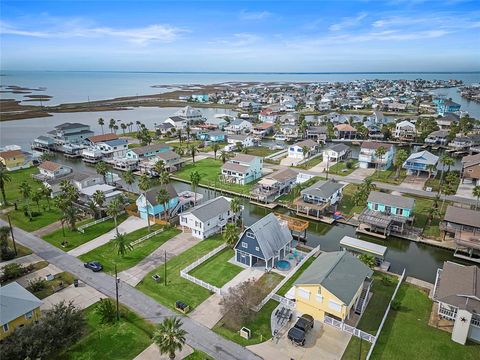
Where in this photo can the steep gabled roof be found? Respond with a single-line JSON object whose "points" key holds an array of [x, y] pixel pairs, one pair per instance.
{"points": [[16, 301]]}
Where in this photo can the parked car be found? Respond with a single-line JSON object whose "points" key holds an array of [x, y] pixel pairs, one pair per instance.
{"points": [[298, 332], [95, 266]]}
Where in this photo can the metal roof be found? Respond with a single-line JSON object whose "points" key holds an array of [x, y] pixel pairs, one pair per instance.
{"points": [[339, 272], [423, 157], [462, 216], [16, 301], [391, 200], [363, 246]]}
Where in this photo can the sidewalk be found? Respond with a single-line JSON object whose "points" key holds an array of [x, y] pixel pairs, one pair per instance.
{"points": [[209, 312], [152, 353], [173, 247], [48, 229], [24, 260], [131, 224]]}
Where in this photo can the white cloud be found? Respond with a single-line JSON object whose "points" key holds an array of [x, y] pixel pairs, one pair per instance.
{"points": [[254, 15], [348, 22]]}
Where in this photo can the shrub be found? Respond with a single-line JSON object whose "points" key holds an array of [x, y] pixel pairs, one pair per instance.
{"points": [[395, 305], [37, 284], [387, 280], [106, 310], [349, 164], [7, 254], [368, 260], [12, 271]]}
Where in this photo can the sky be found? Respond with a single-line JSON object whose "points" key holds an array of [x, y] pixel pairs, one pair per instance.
{"points": [[247, 36]]}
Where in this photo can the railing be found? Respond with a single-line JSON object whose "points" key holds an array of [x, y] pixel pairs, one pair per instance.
{"points": [[284, 301], [385, 316], [83, 227], [475, 322], [349, 329], [285, 279], [447, 313], [184, 272], [146, 237]]}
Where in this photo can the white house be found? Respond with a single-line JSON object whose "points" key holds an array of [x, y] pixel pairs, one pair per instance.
{"points": [[367, 158], [242, 169], [178, 122], [245, 140], [190, 114], [53, 170], [336, 152], [207, 219], [405, 130], [295, 151], [267, 115], [83, 180], [110, 192], [238, 126], [105, 146]]}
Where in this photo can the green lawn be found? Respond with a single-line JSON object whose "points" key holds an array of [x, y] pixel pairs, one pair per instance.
{"points": [[12, 187], [341, 168], [209, 170], [217, 270], [107, 254], [407, 335], [372, 317], [261, 151], [284, 289], [76, 238], [198, 355], [288, 198], [310, 163], [260, 324], [388, 176], [434, 183], [21, 250], [62, 279], [178, 288], [39, 219], [347, 207], [420, 211], [121, 341]]}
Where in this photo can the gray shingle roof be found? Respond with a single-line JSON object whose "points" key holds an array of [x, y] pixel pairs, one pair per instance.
{"points": [[339, 272], [391, 200], [15, 301], [339, 148], [152, 194], [462, 216], [322, 188], [271, 236], [210, 209]]}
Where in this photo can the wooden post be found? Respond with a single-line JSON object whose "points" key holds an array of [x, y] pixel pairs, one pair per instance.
{"points": [[116, 292]]}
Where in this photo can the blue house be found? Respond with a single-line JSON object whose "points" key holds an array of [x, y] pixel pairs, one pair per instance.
{"points": [[446, 106], [419, 162], [200, 97], [213, 136], [148, 203], [147, 151], [264, 243]]}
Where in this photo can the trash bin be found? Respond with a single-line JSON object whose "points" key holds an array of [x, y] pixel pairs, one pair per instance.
{"points": [[75, 282]]}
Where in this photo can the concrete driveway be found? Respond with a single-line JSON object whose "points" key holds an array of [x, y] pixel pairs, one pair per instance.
{"points": [[414, 182], [82, 296], [42, 273], [465, 190], [360, 174], [130, 225], [323, 343], [152, 353]]}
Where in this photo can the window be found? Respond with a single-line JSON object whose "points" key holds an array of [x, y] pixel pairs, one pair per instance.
{"points": [[304, 293], [244, 245], [5, 328], [250, 235], [29, 315], [375, 206], [399, 211], [257, 248], [334, 306]]}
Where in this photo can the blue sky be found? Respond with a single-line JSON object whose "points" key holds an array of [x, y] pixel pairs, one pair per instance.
{"points": [[293, 36]]}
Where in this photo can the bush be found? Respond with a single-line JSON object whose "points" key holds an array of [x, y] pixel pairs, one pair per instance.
{"points": [[36, 285], [106, 310], [387, 281], [349, 164], [395, 305], [7, 254], [12, 271]]}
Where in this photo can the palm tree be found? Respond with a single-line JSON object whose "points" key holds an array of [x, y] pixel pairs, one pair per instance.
{"points": [[36, 197], [114, 208], [368, 185], [223, 156], [195, 180], [447, 190], [445, 160], [179, 134], [170, 336], [111, 124], [102, 169], [476, 193], [47, 193], [124, 127], [379, 153], [4, 178], [239, 146], [129, 178], [400, 158], [305, 151], [215, 148], [70, 215], [26, 192], [188, 130], [163, 197], [159, 167], [193, 150], [164, 178], [101, 122], [98, 198], [231, 234], [144, 185], [433, 212], [235, 207], [122, 244]]}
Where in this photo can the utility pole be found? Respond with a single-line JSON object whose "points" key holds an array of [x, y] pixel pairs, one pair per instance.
{"points": [[165, 269], [116, 292], [360, 352], [11, 232]]}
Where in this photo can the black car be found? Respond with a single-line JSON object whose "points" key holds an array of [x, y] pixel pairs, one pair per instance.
{"points": [[299, 331], [95, 266]]}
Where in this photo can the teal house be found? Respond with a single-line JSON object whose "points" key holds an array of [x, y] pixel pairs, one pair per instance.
{"points": [[144, 152], [213, 136], [147, 204], [387, 213], [200, 97]]}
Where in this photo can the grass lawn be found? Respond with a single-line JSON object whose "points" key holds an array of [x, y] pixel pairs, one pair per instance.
{"points": [[341, 168], [34, 267], [260, 324], [21, 250], [347, 207], [288, 198], [422, 205], [63, 279], [284, 289], [121, 341], [198, 355], [40, 218], [310, 163], [407, 335], [209, 170], [372, 317], [388, 176], [12, 187], [434, 183], [76, 238], [261, 151], [177, 287], [217, 270], [108, 257]]}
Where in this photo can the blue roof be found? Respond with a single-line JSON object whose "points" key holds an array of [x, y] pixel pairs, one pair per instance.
{"points": [[116, 142]]}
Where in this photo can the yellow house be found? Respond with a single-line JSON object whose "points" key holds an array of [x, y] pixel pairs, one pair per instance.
{"points": [[17, 308], [335, 284], [15, 159]]}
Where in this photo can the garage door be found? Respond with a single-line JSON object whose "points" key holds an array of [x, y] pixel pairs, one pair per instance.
{"points": [[243, 258]]}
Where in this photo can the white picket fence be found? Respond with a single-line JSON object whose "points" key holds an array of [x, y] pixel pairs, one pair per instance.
{"points": [[146, 237], [349, 329], [385, 316], [83, 227], [285, 279], [184, 272], [284, 301]]}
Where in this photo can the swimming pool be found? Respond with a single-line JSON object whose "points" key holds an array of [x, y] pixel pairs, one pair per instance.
{"points": [[283, 265]]}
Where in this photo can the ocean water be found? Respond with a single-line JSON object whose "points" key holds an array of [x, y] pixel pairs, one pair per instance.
{"points": [[77, 86]]}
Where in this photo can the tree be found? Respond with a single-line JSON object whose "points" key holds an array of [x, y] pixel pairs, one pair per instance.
{"points": [[170, 337], [159, 167], [235, 207], [5, 252], [379, 153], [163, 197], [122, 243], [224, 156], [4, 179], [114, 208], [303, 125], [215, 148], [99, 199], [476, 193], [239, 146], [164, 178], [179, 134], [107, 311], [193, 150], [445, 160], [111, 124], [36, 197], [433, 212], [368, 260], [447, 190], [195, 181], [129, 178], [70, 214], [47, 193], [102, 169], [26, 192], [188, 130], [144, 185], [231, 234], [305, 151], [124, 127], [101, 122], [368, 185]]}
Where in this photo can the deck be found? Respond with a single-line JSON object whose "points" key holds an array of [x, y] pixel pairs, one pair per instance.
{"points": [[294, 224], [265, 205], [363, 230]]}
